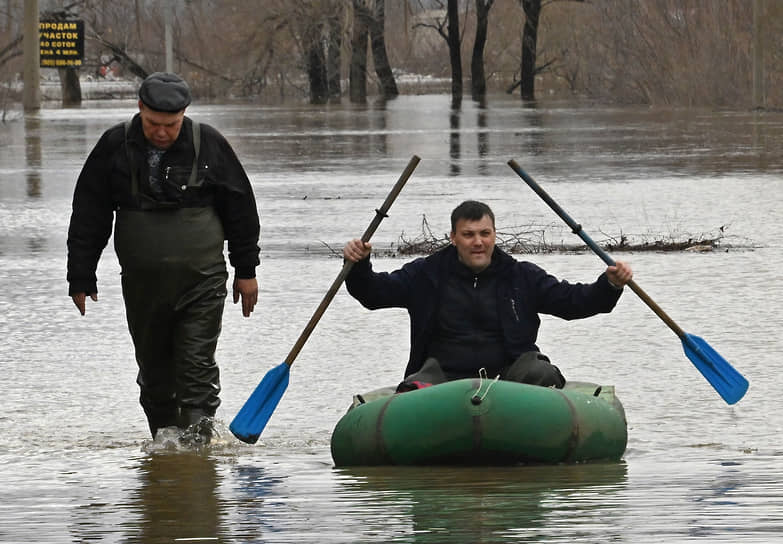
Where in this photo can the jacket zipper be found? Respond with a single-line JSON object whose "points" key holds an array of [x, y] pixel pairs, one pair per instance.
{"points": [[514, 309]]}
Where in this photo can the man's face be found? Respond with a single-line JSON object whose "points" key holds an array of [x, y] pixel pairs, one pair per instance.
{"points": [[475, 241], [161, 129]]}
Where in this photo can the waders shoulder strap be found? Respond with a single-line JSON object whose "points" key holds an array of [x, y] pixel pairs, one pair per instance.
{"points": [[196, 148], [131, 166]]}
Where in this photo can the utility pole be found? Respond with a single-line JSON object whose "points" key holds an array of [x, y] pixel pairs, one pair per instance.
{"points": [[31, 50], [169, 45]]}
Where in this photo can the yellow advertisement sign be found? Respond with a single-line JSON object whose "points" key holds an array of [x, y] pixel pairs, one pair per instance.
{"points": [[62, 43]]}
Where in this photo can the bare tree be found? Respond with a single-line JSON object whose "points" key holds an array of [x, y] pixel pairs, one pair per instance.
{"points": [[317, 27], [455, 53], [10, 49], [527, 78], [668, 52], [316, 64], [378, 45], [686, 53], [107, 39], [529, 66], [369, 18], [358, 73], [449, 30], [334, 53], [478, 79]]}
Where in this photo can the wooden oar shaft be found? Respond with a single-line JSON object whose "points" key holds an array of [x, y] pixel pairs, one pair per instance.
{"points": [[657, 309], [577, 229], [380, 213]]}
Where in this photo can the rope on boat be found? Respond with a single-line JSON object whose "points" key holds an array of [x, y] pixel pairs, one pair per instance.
{"points": [[476, 398]]}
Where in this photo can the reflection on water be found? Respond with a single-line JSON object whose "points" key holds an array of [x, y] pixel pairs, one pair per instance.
{"points": [[455, 151], [32, 155], [440, 504], [176, 498], [75, 456], [258, 502]]}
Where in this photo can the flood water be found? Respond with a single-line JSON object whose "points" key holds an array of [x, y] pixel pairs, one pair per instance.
{"points": [[76, 461]]}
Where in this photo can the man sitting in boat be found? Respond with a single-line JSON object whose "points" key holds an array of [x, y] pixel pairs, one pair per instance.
{"points": [[472, 306]]}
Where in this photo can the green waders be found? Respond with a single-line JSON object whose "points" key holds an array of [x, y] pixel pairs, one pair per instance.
{"points": [[174, 286]]}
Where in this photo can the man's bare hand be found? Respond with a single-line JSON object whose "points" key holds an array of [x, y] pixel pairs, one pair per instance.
{"points": [[619, 274], [80, 299], [247, 289], [356, 250]]}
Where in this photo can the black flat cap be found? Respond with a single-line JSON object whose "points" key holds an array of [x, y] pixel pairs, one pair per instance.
{"points": [[164, 91]]}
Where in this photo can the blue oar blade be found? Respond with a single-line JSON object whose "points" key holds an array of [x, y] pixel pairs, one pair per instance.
{"points": [[255, 413], [724, 378]]}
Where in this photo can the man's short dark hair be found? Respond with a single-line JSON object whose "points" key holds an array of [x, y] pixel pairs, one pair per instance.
{"points": [[472, 210]]}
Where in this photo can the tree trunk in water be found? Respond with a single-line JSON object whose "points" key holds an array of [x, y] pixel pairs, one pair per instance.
{"points": [[358, 73], [455, 56], [333, 58], [70, 88], [478, 80], [378, 44], [527, 78], [316, 66]]}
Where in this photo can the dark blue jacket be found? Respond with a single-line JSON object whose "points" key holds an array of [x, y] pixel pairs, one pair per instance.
{"points": [[524, 290]]}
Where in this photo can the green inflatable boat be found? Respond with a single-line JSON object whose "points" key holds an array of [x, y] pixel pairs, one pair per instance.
{"points": [[482, 422]]}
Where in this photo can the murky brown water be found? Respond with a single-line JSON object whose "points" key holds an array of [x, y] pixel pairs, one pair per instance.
{"points": [[76, 463]]}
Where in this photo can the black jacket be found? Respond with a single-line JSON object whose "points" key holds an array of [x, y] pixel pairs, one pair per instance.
{"points": [[523, 291], [105, 185]]}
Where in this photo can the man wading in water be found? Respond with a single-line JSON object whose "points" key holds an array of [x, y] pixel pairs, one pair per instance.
{"points": [[178, 190]]}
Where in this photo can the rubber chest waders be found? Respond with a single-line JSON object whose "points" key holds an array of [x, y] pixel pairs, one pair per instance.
{"points": [[174, 287]]}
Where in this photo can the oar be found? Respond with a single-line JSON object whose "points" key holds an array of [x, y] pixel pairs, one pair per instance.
{"points": [[723, 377], [255, 413]]}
